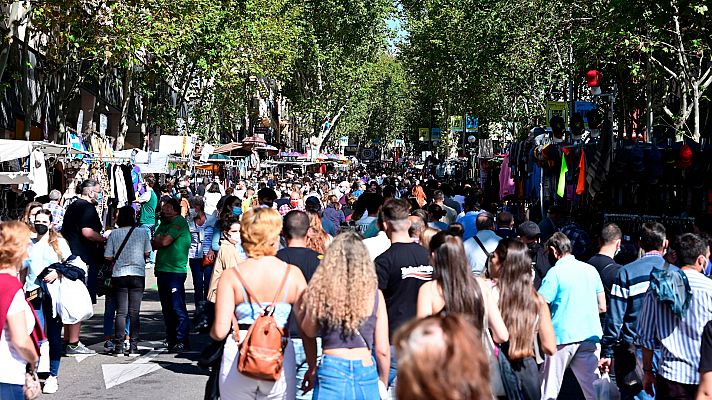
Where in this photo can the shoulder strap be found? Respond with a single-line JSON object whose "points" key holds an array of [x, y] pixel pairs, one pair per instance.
{"points": [[276, 295], [482, 246], [126, 239]]}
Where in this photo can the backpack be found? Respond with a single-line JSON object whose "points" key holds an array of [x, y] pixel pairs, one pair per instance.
{"points": [[262, 349], [671, 287]]}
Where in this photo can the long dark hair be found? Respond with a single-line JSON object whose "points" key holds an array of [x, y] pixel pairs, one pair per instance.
{"points": [[451, 271], [517, 297]]}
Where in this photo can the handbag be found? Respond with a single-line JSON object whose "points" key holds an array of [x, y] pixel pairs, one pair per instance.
{"points": [[31, 389], [209, 258], [103, 277]]}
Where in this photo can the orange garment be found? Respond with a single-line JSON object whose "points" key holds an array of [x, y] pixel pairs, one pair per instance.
{"points": [[419, 195]]}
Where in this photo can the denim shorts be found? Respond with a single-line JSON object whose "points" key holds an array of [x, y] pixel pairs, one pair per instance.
{"points": [[339, 378]]}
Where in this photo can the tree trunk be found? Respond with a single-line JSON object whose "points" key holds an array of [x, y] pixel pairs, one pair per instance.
{"points": [[26, 88], [317, 139], [127, 94]]}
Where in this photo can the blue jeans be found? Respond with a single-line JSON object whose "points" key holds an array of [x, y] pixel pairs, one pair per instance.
{"points": [[302, 366], [171, 291], [339, 378], [9, 391], [626, 357], [110, 314], [151, 229], [53, 331], [201, 279], [393, 373]]}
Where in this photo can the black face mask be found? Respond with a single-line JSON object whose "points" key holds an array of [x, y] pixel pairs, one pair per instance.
{"points": [[41, 229]]}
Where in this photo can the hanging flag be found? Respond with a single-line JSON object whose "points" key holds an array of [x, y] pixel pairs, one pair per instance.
{"points": [[582, 174], [562, 178]]}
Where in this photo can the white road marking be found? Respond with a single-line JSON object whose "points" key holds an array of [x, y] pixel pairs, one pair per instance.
{"points": [[116, 374]]}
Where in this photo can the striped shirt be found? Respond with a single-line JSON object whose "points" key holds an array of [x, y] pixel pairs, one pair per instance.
{"points": [[627, 295], [679, 338]]}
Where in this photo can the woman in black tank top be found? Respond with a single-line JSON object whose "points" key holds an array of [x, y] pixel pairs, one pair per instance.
{"points": [[344, 306]]}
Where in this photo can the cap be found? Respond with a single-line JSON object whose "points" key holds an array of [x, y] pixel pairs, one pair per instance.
{"points": [[529, 230]]}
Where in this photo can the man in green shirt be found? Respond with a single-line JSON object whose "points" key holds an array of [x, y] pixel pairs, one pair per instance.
{"points": [[172, 242], [147, 218]]}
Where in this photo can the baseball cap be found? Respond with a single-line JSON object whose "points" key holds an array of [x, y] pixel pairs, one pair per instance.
{"points": [[529, 230]]}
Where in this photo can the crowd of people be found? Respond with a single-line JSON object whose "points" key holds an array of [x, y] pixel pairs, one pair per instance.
{"points": [[376, 286]]}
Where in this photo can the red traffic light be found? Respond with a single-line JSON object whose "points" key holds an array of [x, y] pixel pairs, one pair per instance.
{"points": [[593, 78]]}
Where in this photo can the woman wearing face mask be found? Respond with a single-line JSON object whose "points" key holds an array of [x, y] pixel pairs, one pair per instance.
{"points": [[201, 234], [230, 207], [229, 255], [47, 248], [31, 209]]}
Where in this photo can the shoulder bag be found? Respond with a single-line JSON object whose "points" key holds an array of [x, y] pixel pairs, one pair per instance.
{"points": [[104, 275]]}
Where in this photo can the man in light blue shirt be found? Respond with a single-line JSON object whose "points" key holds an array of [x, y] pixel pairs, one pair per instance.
{"points": [[575, 295], [469, 218]]}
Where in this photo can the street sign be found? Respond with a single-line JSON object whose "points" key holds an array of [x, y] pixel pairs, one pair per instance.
{"points": [[423, 134], [399, 143], [343, 141], [456, 123]]}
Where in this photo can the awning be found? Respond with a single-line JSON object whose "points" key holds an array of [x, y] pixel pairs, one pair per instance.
{"points": [[227, 148], [14, 149], [14, 178]]}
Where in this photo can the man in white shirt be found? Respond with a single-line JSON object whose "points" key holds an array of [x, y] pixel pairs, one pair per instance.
{"points": [[479, 247]]}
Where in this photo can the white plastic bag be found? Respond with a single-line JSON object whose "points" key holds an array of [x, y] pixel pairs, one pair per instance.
{"points": [[73, 303], [605, 389]]}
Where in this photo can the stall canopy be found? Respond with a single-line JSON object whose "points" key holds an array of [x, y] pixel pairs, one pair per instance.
{"points": [[149, 163], [227, 148], [14, 149]]}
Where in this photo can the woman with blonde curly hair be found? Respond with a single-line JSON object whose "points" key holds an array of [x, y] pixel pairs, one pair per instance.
{"points": [[257, 275], [441, 357], [317, 238], [351, 320]]}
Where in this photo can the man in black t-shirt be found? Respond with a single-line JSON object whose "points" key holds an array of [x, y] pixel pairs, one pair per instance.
{"points": [[82, 230], [705, 391], [604, 263], [401, 270], [295, 228]]}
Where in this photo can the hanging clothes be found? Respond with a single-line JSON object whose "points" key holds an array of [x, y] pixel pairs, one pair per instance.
{"points": [[119, 186], [506, 183], [128, 183], [38, 174], [581, 183]]}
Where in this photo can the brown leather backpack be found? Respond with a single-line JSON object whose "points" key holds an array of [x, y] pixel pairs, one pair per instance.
{"points": [[262, 350]]}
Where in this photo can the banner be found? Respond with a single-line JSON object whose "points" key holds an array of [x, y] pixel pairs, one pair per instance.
{"points": [[423, 134], [583, 107], [435, 134], [472, 124]]}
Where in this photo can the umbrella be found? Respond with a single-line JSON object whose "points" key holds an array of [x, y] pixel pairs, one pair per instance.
{"points": [[227, 148], [254, 141]]}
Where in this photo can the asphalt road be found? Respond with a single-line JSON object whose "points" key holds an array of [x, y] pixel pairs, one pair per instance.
{"points": [[155, 375]]}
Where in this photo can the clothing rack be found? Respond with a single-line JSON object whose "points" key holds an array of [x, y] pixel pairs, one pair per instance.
{"points": [[631, 224]]}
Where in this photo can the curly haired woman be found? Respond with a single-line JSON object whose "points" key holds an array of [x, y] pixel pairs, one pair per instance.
{"points": [[351, 320]]}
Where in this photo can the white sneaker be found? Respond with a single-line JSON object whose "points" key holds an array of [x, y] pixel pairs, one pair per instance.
{"points": [[51, 386]]}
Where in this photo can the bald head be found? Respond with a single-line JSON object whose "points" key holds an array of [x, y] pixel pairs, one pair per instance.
{"points": [[485, 221]]}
